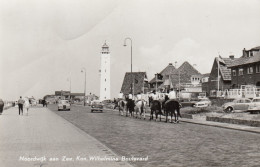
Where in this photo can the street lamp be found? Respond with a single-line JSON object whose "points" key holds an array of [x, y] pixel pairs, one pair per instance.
{"points": [[84, 69], [179, 76], [131, 64]]}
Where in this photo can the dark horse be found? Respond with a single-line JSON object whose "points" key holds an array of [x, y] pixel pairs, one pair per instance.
{"points": [[130, 106], [170, 108], [156, 108]]}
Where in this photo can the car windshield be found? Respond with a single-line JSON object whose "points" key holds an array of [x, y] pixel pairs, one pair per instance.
{"points": [[64, 101]]}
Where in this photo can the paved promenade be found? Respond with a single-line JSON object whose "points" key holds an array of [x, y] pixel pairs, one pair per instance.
{"points": [[45, 139]]}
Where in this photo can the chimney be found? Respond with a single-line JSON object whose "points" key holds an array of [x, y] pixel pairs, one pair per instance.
{"points": [[244, 53], [232, 57], [170, 64]]}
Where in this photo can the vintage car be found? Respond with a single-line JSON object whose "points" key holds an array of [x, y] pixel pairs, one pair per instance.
{"points": [[203, 102], [97, 105], [237, 104], [255, 105], [188, 103], [63, 105]]}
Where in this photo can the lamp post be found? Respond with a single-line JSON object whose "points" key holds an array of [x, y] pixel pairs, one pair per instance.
{"points": [[179, 76], [84, 69], [132, 85]]}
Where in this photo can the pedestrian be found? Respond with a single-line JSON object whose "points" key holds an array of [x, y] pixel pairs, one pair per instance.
{"points": [[27, 106], [1, 106], [20, 105]]}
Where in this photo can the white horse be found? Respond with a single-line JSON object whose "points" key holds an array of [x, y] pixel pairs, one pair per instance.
{"points": [[140, 106], [122, 107]]}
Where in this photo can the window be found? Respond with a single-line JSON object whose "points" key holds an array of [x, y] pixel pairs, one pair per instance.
{"points": [[250, 70], [257, 68], [241, 71], [234, 72], [105, 89], [105, 80]]}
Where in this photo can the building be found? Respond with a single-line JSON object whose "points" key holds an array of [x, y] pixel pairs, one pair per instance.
{"points": [[161, 81], [250, 52], [136, 81], [220, 70], [204, 83], [186, 78], [246, 70], [105, 73]]}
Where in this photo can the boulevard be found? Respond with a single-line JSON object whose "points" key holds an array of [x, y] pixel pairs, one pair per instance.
{"points": [[182, 144]]}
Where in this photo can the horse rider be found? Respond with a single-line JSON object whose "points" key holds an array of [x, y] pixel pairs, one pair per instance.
{"points": [[155, 95], [120, 97], [171, 96]]}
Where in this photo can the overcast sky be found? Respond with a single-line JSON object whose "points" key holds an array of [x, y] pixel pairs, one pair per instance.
{"points": [[42, 42]]}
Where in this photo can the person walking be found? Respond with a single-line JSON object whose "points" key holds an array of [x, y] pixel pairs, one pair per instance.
{"points": [[20, 105], [1, 106], [27, 106]]}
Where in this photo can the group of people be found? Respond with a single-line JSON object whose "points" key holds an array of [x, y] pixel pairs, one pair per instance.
{"points": [[152, 96], [23, 103]]}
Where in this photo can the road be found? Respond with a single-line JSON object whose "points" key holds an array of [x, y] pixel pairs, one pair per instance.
{"points": [[168, 144]]}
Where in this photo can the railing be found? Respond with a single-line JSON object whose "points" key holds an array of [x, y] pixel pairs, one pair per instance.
{"points": [[248, 92]]}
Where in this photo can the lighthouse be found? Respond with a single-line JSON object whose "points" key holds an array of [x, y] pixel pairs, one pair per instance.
{"points": [[105, 73]]}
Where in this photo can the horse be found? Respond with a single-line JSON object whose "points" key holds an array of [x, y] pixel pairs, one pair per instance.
{"points": [[130, 107], [156, 108], [170, 107], [140, 106], [122, 106]]}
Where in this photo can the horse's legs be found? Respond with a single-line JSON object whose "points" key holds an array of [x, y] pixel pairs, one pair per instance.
{"points": [[175, 115], [151, 115], [171, 116], [166, 117]]}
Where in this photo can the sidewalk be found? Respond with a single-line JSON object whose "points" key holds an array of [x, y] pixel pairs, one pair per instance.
{"points": [[214, 124], [43, 136]]}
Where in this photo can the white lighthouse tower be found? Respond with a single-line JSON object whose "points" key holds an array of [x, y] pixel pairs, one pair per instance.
{"points": [[105, 73]]}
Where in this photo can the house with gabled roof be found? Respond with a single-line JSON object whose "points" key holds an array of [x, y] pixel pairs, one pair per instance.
{"points": [[220, 69], [162, 82], [186, 78], [136, 81]]}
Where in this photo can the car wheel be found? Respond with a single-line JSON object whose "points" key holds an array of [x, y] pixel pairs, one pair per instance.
{"points": [[91, 110], [69, 109], [229, 109], [58, 109], [193, 105]]}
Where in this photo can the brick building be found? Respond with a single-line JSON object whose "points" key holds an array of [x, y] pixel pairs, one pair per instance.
{"points": [[224, 82], [246, 70]]}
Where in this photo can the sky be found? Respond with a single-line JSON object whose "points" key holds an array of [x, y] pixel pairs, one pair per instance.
{"points": [[43, 43]]}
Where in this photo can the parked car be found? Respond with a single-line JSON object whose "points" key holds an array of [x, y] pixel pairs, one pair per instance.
{"points": [[255, 105], [188, 103], [237, 104], [203, 102], [97, 105], [63, 105]]}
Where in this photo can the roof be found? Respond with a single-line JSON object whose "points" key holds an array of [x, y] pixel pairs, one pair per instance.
{"points": [[184, 74], [138, 78], [224, 63], [246, 60], [256, 48], [166, 71], [206, 75]]}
